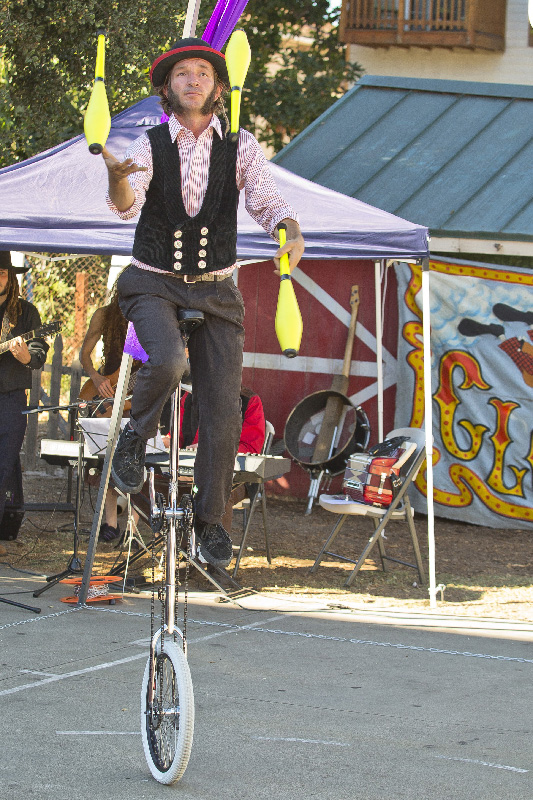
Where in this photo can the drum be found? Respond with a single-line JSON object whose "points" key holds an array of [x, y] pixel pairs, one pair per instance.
{"points": [[303, 425]]}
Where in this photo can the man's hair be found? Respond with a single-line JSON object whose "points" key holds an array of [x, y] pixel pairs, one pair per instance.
{"points": [[218, 108], [13, 306]]}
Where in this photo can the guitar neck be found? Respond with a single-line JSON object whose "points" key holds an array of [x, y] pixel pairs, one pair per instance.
{"points": [[4, 347]]}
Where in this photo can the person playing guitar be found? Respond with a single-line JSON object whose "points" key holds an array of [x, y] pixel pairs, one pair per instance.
{"points": [[17, 318], [109, 324]]}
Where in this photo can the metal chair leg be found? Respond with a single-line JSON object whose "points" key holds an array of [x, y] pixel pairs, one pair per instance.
{"points": [[245, 534], [362, 558], [265, 524], [381, 547], [331, 538], [414, 539]]}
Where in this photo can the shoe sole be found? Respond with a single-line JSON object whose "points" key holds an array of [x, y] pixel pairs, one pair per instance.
{"points": [[123, 487], [215, 562]]}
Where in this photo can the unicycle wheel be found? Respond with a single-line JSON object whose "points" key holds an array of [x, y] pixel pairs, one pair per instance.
{"points": [[167, 728]]}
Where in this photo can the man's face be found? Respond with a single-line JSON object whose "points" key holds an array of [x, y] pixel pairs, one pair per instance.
{"points": [[4, 275], [192, 87]]}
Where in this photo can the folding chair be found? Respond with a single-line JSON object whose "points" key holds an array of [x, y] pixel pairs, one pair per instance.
{"points": [[247, 505], [399, 509]]}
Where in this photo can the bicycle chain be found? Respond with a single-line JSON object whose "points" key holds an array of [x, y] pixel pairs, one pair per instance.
{"points": [[187, 504]]}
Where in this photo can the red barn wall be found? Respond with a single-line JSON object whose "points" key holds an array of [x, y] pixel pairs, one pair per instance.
{"points": [[324, 336]]}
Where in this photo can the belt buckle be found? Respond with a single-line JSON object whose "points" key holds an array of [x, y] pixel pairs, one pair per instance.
{"points": [[194, 278]]}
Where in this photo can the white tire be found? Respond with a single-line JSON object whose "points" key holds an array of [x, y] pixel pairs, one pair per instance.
{"points": [[167, 737]]}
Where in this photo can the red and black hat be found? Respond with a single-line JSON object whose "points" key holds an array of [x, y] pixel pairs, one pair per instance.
{"points": [[5, 263], [187, 48]]}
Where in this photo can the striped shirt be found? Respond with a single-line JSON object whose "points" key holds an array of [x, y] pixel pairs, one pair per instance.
{"points": [[263, 201]]}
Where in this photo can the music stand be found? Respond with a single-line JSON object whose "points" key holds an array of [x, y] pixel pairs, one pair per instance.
{"points": [[96, 431], [20, 605], [74, 565]]}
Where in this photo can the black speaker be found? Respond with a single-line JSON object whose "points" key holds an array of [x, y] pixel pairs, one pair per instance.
{"points": [[10, 523]]}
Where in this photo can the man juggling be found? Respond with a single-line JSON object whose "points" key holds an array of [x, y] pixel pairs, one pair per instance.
{"points": [[184, 177]]}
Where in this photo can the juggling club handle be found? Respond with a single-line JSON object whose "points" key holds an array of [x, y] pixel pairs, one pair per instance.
{"points": [[284, 267]]}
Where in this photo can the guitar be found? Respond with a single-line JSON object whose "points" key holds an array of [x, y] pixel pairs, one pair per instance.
{"points": [[88, 392], [46, 330]]}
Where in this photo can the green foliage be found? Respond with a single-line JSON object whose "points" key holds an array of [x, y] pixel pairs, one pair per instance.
{"points": [[48, 50], [312, 72]]}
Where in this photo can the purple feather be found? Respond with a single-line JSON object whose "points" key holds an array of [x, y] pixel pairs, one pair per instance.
{"points": [[211, 26], [227, 23], [132, 346]]}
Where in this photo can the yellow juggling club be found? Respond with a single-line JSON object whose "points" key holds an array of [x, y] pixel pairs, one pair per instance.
{"points": [[289, 325], [238, 55], [97, 122]]}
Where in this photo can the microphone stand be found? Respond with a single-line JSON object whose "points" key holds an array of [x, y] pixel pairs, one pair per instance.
{"points": [[74, 566]]}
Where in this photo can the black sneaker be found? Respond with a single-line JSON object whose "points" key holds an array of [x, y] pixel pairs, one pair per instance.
{"points": [[214, 542], [108, 533], [127, 468]]}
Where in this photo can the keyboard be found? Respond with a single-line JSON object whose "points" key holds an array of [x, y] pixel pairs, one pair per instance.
{"points": [[247, 469]]}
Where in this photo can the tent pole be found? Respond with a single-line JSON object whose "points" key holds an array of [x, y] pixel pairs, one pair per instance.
{"points": [[112, 437], [428, 416], [379, 345], [189, 28]]}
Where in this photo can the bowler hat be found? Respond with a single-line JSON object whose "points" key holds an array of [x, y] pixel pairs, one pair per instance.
{"points": [[187, 48], [5, 262]]}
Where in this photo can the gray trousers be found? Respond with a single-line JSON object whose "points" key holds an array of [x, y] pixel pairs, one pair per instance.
{"points": [[150, 300]]}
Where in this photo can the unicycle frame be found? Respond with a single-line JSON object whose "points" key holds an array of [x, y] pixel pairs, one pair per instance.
{"points": [[169, 517]]}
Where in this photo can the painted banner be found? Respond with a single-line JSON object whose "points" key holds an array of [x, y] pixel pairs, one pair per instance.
{"points": [[482, 388]]}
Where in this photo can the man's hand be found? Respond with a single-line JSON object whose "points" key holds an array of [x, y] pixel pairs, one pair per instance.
{"points": [[294, 246], [118, 170], [120, 191], [19, 348]]}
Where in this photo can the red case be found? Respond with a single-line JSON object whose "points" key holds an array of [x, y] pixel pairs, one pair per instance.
{"points": [[368, 478]]}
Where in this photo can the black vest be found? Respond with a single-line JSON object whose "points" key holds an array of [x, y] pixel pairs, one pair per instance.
{"points": [[166, 236]]}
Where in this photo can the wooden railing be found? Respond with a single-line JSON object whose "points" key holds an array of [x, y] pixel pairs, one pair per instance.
{"points": [[424, 23]]}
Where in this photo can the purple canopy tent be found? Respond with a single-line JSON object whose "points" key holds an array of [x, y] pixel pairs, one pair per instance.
{"points": [[54, 202]]}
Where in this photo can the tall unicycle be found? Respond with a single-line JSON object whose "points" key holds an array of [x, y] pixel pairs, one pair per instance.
{"points": [[167, 699]]}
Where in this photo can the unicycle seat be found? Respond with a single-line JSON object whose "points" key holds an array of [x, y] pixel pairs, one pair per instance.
{"points": [[189, 319]]}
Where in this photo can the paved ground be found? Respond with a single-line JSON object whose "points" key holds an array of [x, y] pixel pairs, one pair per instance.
{"points": [[290, 704]]}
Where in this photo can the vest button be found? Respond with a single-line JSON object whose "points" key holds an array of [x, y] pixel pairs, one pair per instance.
{"points": [[178, 244], [177, 267], [177, 234], [202, 264], [202, 253], [178, 254], [203, 242], [204, 231]]}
